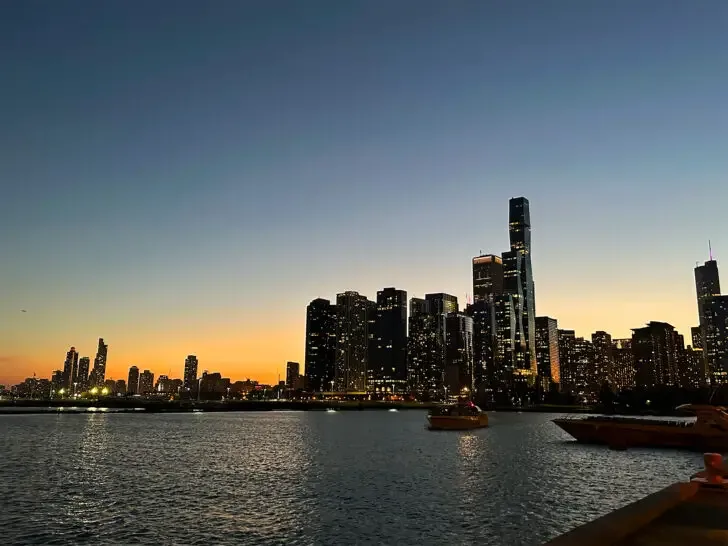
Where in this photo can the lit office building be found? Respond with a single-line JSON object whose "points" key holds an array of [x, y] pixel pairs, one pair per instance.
{"points": [[146, 382], [656, 353], [353, 312], [426, 350], [715, 315], [547, 353], [487, 277]]}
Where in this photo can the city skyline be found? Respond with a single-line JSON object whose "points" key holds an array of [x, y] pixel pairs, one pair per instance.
{"points": [[364, 336], [196, 199]]}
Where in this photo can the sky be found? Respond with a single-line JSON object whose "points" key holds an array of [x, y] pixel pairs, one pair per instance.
{"points": [[183, 177]]}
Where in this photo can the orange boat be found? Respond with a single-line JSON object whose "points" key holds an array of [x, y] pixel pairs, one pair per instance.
{"points": [[709, 432], [460, 416]]}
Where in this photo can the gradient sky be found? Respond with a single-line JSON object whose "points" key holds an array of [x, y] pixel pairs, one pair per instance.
{"points": [[184, 176]]}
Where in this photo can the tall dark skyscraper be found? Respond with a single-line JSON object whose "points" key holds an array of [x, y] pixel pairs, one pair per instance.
{"points": [[100, 364], [426, 350], [487, 277], [387, 360], [707, 285], [459, 354], [82, 378], [70, 368], [190, 374], [518, 278], [320, 345], [132, 384], [656, 353], [146, 382], [547, 352], [484, 329], [715, 312], [506, 345], [293, 370], [352, 342]]}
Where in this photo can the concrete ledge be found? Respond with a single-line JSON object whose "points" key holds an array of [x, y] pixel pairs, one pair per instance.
{"points": [[616, 526]]}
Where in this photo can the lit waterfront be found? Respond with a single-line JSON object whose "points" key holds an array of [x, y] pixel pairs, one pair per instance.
{"points": [[309, 478]]}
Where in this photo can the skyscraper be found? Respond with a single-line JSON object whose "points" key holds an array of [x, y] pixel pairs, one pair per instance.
{"points": [[387, 360], [320, 345], [603, 359], [100, 363], [82, 377], [425, 350], [547, 352], [292, 374], [146, 382], [190, 374], [506, 345], [70, 368], [441, 303], [459, 354], [707, 285], [656, 354], [487, 277], [518, 278], [623, 364], [715, 328], [484, 328], [132, 384], [352, 341]]}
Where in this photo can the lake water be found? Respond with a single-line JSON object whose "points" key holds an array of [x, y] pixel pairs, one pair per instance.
{"points": [[300, 478]]}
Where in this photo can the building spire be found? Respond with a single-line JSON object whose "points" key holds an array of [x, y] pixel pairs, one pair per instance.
{"points": [[710, 251]]}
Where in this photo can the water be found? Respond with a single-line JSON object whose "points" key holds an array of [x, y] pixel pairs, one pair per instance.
{"points": [[305, 478]]}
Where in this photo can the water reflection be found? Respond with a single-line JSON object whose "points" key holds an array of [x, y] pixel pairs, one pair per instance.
{"points": [[308, 478]]}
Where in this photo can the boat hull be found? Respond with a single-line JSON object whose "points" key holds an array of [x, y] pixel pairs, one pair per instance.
{"points": [[624, 435], [457, 422]]}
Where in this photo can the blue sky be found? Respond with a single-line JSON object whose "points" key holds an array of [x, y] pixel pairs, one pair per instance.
{"points": [[198, 171]]}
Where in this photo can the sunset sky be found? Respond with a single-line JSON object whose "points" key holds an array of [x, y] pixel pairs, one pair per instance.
{"points": [[181, 176]]}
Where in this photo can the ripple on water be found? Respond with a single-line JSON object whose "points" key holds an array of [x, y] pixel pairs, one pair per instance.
{"points": [[308, 478]]}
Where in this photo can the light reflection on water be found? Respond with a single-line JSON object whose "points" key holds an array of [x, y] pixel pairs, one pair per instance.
{"points": [[308, 478]]}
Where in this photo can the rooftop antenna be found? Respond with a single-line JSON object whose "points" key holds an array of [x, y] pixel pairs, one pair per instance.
{"points": [[710, 251]]}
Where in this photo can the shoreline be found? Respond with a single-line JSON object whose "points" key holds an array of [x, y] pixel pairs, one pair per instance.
{"points": [[141, 405]]}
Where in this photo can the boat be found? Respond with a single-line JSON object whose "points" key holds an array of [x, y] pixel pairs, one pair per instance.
{"points": [[463, 415], [708, 432]]}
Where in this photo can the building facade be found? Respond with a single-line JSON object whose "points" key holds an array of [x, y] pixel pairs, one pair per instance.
{"points": [[487, 277], [425, 351], [320, 345], [189, 378], [387, 359], [715, 330], [99, 371], [353, 312], [547, 353], [70, 368], [132, 383], [459, 354], [656, 352], [292, 374], [146, 382]]}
